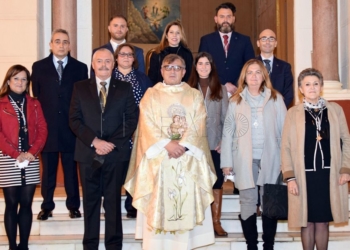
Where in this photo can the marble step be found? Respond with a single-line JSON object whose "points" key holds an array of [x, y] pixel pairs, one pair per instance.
{"points": [[230, 204], [285, 241], [63, 225]]}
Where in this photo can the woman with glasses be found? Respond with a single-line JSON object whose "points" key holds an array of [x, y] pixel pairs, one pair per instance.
{"points": [[173, 42], [23, 135], [315, 155], [125, 70], [204, 77], [250, 146]]}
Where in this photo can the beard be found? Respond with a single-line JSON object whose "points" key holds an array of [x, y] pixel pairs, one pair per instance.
{"points": [[118, 37], [225, 29]]}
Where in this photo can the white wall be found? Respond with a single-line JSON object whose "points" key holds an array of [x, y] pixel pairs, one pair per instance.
{"points": [[343, 34], [302, 38], [19, 34], [25, 28], [84, 30]]}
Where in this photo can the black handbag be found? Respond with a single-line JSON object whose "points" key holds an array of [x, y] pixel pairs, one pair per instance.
{"points": [[275, 200]]}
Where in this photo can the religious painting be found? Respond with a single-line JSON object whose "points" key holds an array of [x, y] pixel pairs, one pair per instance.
{"points": [[147, 19]]}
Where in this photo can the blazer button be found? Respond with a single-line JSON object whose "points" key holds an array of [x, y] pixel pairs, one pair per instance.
{"points": [[59, 112]]}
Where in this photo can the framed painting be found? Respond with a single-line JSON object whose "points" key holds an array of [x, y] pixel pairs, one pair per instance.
{"points": [[147, 19]]}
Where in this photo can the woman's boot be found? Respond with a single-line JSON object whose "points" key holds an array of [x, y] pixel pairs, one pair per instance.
{"points": [[216, 212], [269, 231], [250, 232]]}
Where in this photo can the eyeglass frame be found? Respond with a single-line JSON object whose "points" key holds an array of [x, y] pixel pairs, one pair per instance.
{"points": [[271, 39], [127, 55], [170, 67]]}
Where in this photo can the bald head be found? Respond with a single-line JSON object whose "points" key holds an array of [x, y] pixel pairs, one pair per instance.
{"points": [[267, 42]]}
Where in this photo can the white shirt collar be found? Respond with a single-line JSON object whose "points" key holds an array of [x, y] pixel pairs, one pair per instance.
{"points": [[228, 34], [270, 58], [55, 59], [99, 86], [115, 45]]}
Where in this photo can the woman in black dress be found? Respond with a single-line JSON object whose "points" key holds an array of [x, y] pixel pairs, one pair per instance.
{"points": [[315, 162], [173, 42]]}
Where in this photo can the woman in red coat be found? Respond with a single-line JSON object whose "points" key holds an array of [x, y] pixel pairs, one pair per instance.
{"points": [[23, 134]]}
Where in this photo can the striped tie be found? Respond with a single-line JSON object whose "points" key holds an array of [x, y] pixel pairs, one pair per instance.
{"points": [[103, 96]]}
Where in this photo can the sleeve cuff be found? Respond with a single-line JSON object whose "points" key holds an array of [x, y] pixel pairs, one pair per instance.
{"points": [[156, 148]]}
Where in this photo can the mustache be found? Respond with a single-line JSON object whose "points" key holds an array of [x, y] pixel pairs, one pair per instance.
{"points": [[103, 68]]}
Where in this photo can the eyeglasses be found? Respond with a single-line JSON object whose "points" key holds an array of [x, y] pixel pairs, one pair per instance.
{"points": [[128, 55], [265, 39], [172, 67]]}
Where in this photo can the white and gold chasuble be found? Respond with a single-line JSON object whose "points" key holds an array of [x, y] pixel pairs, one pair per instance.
{"points": [[172, 194]]}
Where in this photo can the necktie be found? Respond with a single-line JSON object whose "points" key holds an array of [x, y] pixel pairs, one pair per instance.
{"points": [[267, 65], [60, 69], [103, 96], [225, 43]]}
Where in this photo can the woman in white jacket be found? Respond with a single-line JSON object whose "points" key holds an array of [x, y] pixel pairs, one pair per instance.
{"points": [[251, 145]]}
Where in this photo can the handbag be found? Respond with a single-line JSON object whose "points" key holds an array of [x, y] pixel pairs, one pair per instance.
{"points": [[275, 200]]}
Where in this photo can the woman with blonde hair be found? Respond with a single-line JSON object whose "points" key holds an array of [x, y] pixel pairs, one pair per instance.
{"points": [[250, 147], [173, 42]]}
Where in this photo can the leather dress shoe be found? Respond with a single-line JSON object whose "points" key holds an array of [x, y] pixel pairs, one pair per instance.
{"points": [[74, 213], [44, 214]]}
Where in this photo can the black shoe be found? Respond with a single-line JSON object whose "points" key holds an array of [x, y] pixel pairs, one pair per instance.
{"points": [[131, 215], [44, 214], [74, 213]]}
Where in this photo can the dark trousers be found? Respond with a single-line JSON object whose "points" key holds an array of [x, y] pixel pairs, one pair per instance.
{"points": [[106, 180], [216, 159], [48, 182]]}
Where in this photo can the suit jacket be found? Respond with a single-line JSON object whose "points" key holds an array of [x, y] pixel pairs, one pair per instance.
{"points": [[55, 99], [282, 79], [139, 56], [118, 121], [239, 52]]}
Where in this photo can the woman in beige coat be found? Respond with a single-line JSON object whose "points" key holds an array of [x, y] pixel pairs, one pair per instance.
{"points": [[251, 146], [315, 155]]}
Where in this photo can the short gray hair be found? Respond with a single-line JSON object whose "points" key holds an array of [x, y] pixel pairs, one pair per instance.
{"points": [[310, 72], [63, 31]]}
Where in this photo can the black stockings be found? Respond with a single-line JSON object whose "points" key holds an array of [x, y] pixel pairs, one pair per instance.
{"points": [[315, 234], [14, 196]]}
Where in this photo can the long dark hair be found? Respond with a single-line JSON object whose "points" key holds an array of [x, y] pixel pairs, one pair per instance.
{"points": [[214, 82], [12, 71]]}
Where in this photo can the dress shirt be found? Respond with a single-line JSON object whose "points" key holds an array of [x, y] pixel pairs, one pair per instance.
{"points": [[115, 45], [64, 60], [271, 61], [222, 39], [99, 86]]}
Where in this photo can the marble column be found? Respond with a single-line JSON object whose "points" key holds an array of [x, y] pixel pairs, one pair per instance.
{"points": [[64, 16], [325, 47]]}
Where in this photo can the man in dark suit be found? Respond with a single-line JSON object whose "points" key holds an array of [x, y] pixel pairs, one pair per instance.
{"points": [[280, 71], [118, 29], [53, 78], [103, 115], [230, 50]]}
